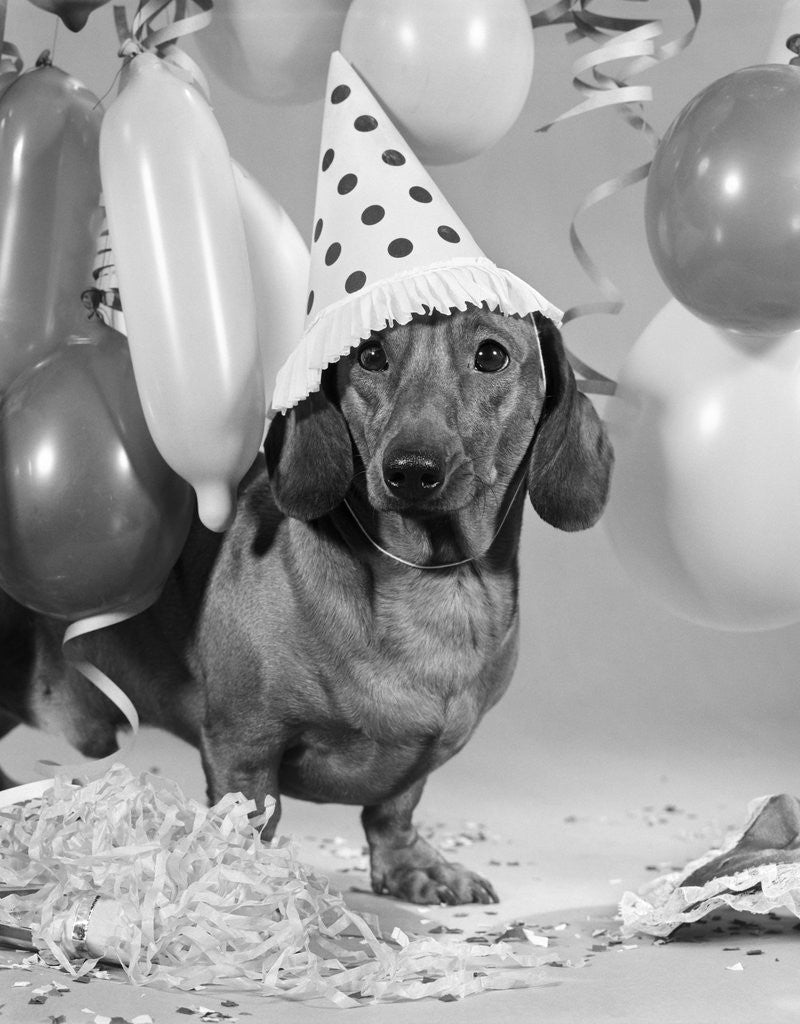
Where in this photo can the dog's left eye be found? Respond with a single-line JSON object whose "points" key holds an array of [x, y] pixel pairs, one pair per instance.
{"points": [[491, 357], [372, 356]]}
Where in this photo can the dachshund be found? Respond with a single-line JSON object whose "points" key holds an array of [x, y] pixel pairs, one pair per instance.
{"points": [[347, 634]]}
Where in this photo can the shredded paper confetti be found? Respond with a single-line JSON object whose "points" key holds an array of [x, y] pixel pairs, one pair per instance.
{"points": [[186, 895]]}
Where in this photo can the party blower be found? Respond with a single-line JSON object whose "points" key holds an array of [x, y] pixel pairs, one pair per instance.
{"points": [[185, 280]]}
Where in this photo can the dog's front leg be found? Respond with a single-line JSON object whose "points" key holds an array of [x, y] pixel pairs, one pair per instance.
{"points": [[227, 770], [405, 865]]}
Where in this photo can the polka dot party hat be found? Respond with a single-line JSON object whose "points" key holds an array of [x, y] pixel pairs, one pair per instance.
{"points": [[386, 244]]}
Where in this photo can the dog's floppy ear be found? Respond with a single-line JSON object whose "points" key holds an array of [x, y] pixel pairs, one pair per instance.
{"points": [[309, 458], [570, 467]]}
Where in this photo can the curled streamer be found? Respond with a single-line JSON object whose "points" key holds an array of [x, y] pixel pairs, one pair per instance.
{"points": [[144, 36], [84, 770], [10, 57], [633, 42]]}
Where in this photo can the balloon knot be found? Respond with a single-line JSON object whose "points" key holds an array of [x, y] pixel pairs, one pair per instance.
{"points": [[793, 44], [44, 60], [130, 48]]}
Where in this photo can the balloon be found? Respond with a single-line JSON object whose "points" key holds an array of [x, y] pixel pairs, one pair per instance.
{"points": [[722, 206], [49, 196], [74, 13], [91, 518], [185, 284], [9, 73], [453, 74], [275, 51], [705, 501], [279, 262]]}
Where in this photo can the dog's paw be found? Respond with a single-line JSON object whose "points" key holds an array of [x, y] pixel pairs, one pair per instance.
{"points": [[437, 883]]}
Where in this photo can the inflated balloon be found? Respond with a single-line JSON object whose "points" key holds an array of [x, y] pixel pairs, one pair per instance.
{"points": [[184, 278], [453, 75], [74, 13], [91, 517], [723, 202], [276, 51], [8, 73], [49, 196], [279, 261], [705, 502]]}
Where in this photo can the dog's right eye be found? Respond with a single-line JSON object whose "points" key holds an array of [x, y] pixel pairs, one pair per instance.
{"points": [[372, 357], [491, 357]]}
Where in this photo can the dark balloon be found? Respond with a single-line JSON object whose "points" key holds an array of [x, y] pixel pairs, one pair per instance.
{"points": [[722, 207], [74, 13], [91, 517], [49, 198]]}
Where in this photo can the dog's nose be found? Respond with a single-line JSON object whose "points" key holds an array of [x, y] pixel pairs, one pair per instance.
{"points": [[413, 475]]}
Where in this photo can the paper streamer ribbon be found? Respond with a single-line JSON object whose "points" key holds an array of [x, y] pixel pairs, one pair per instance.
{"points": [[631, 40], [86, 769], [8, 52], [142, 36]]}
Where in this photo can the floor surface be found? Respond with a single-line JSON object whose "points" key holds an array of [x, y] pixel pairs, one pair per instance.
{"points": [[561, 838]]}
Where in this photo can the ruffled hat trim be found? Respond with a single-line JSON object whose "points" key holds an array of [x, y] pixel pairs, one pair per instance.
{"points": [[441, 287]]}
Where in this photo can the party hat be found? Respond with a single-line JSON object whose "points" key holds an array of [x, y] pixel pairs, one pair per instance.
{"points": [[386, 243]]}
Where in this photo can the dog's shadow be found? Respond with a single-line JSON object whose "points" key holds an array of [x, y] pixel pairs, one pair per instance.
{"points": [[388, 912]]}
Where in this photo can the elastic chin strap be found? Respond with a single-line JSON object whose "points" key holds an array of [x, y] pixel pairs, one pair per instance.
{"points": [[539, 351], [442, 565]]}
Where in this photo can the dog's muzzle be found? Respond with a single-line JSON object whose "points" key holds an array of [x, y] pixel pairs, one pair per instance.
{"points": [[413, 475]]}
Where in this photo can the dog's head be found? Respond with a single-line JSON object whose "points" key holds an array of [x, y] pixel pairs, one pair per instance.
{"points": [[439, 414]]}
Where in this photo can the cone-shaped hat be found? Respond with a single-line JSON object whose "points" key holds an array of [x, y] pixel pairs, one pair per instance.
{"points": [[386, 243]]}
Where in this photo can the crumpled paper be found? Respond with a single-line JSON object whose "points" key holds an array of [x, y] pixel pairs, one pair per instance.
{"points": [[757, 870], [202, 900]]}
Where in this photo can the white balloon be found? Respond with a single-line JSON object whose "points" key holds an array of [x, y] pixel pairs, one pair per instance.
{"points": [[705, 501], [185, 282], [279, 262], [453, 75], [275, 51]]}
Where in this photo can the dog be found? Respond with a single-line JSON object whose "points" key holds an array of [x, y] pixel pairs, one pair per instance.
{"points": [[344, 638]]}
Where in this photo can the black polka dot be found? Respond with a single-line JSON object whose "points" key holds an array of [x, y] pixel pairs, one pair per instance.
{"points": [[327, 159], [332, 253], [422, 195], [373, 214], [393, 158], [341, 92], [346, 184], [448, 233], [365, 123], [355, 281], [399, 247], [318, 230], [310, 302]]}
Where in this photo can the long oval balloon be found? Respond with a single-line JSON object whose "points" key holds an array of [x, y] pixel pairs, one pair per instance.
{"points": [[185, 283], [279, 262], [49, 197]]}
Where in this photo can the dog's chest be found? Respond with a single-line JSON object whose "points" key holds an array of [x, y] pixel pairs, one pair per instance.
{"points": [[402, 690], [430, 656]]}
